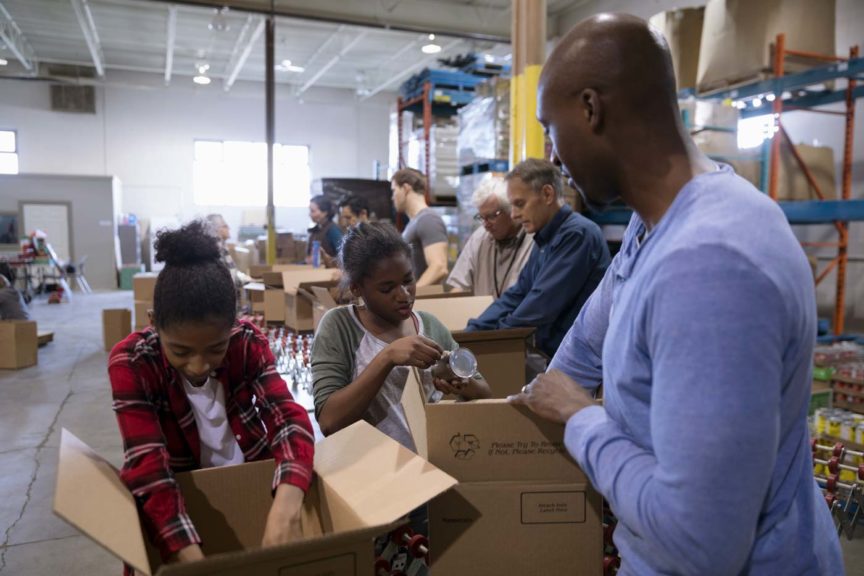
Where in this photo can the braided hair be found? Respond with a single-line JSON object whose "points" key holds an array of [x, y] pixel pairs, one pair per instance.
{"points": [[195, 284], [366, 244]]}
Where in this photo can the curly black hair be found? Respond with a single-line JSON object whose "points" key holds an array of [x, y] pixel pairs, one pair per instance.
{"points": [[195, 284], [366, 244]]}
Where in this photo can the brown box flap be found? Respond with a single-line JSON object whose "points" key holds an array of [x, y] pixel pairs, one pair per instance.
{"points": [[454, 313], [374, 479], [440, 291], [90, 495], [293, 280], [324, 297], [463, 337]]}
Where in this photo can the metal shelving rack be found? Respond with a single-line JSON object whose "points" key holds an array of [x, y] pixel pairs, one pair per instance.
{"points": [[788, 92]]}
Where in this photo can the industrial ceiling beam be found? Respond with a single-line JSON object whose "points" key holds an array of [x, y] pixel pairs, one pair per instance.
{"points": [[411, 69], [332, 62], [242, 48], [170, 38], [91, 36], [14, 40]]}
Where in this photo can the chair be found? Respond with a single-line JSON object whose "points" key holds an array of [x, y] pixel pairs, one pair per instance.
{"points": [[76, 272]]}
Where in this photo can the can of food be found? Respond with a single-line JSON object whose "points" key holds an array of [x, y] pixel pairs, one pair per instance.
{"points": [[847, 429], [821, 420], [833, 428], [859, 434]]}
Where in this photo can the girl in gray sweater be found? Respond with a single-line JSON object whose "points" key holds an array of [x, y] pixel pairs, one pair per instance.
{"points": [[362, 354]]}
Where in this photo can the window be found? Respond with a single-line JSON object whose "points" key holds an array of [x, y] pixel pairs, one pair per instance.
{"points": [[8, 152], [233, 173]]}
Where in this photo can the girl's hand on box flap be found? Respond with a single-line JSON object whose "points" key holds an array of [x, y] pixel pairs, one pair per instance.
{"points": [[283, 521]]}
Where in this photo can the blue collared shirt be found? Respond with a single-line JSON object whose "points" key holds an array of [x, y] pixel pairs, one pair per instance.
{"points": [[568, 262], [703, 336]]}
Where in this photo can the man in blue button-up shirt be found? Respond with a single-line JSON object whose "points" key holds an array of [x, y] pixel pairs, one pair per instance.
{"points": [[568, 262]]}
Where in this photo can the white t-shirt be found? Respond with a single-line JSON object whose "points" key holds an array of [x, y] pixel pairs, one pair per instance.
{"points": [[219, 447]]}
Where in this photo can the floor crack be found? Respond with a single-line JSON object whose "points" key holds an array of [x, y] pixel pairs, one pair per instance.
{"points": [[4, 547]]}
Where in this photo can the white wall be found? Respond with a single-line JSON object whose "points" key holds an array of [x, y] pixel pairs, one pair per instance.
{"points": [[143, 133]]}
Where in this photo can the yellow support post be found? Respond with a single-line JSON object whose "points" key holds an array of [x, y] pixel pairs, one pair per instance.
{"points": [[529, 52]]}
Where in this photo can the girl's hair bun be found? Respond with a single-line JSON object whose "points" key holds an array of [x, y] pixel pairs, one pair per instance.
{"points": [[191, 244]]}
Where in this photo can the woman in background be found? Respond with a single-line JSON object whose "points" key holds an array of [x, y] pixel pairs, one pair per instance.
{"points": [[325, 231]]}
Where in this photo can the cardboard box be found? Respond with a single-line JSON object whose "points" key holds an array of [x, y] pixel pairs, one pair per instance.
{"points": [[254, 292], [257, 271], [116, 325], [454, 313], [365, 482], [494, 528], [142, 314], [440, 291], [323, 301], [143, 286], [793, 185], [500, 357], [683, 31], [19, 343], [288, 304], [523, 506], [738, 38]]}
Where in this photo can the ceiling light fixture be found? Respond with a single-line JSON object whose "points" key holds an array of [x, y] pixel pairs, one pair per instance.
{"points": [[432, 47], [3, 62], [288, 67], [201, 79]]}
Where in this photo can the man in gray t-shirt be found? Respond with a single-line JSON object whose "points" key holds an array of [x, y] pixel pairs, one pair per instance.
{"points": [[426, 232]]}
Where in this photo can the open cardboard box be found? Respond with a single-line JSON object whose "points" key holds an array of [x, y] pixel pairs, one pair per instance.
{"points": [[522, 506], [500, 357], [322, 300], [257, 271], [284, 302], [440, 291], [254, 292], [454, 313], [500, 353], [365, 483]]}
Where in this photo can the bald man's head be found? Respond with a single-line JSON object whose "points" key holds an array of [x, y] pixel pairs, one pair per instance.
{"points": [[606, 92]]}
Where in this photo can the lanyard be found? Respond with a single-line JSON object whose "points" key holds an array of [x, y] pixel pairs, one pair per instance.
{"points": [[509, 266]]}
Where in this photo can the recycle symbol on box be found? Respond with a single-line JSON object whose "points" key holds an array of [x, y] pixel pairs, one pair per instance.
{"points": [[464, 446]]}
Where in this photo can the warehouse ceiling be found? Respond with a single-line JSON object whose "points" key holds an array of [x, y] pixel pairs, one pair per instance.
{"points": [[364, 45]]}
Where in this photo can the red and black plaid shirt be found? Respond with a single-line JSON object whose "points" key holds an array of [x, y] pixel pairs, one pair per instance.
{"points": [[160, 436]]}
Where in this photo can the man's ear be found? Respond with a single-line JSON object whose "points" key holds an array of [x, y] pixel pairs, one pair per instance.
{"points": [[592, 108], [548, 194]]}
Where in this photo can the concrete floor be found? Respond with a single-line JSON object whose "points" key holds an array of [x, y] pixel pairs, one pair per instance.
{"points": [[69, 388]]}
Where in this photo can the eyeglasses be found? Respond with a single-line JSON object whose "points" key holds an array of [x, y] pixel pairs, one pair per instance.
{"points": [[489, 218]]}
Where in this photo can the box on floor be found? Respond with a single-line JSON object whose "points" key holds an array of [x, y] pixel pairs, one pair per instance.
{"points": [[143, 286], [19, 343], [116, 325], [522, 505], [364, 483]]}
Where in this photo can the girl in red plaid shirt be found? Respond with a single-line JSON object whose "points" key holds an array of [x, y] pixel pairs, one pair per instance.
{"points": [[199, 389]]}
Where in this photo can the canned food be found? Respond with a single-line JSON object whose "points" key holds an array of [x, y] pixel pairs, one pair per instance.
{"points": [[821, 420], [833, 427], [847, 429], [859, 434]]}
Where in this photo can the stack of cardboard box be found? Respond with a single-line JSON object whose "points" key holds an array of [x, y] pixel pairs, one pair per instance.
{"points": [[143, 286], [522, 505], [116, 325], [286, 297]]}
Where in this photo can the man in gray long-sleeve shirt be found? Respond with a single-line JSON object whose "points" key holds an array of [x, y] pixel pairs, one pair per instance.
{"points": [[701, 332]]}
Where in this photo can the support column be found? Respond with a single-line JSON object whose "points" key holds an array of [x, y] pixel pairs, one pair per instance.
{"points": [[529, 52], [270, 104]]}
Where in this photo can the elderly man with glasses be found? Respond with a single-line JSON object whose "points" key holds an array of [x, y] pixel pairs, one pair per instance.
{"points": [[497, 251]]}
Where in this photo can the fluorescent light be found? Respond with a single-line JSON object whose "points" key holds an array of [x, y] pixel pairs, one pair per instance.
{"points": [[757, 102], [432, 47], [3, 62], [201, 79], [489, 58], [287, 66], [770, 97]]}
